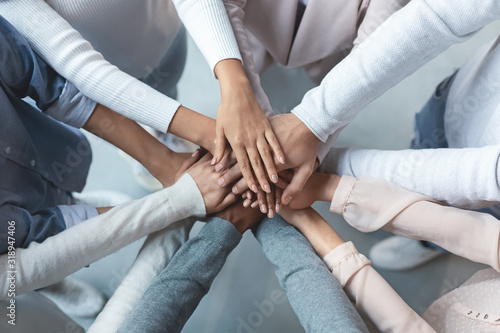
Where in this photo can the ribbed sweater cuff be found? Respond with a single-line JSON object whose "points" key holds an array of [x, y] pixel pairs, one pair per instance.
{"points": [[209, 25], [221, 233], [301, 113], [185, 198]]}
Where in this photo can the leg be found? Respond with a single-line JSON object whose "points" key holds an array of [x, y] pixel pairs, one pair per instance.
{"points": [[318, 300]]}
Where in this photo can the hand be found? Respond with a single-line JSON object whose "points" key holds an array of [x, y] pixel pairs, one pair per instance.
{"points": [[301, 148], [174, 167], [216, 198], [243, 123], [242, 218]]}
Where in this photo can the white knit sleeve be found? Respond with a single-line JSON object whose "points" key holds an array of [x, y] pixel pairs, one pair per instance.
{"points": [[74, 58], [402, 44], [42, 264], [208, 24]]}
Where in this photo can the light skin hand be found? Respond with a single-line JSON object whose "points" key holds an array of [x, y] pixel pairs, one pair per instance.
{"points": [[216, 198], [300, 146], [242, 122], [320, 234]]}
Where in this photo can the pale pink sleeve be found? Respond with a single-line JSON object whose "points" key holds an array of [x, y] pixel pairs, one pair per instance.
{"points": [[372, 294], [369, 204]]}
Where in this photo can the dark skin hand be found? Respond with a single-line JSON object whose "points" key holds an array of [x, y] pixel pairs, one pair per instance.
{"points": [[241, 217]]}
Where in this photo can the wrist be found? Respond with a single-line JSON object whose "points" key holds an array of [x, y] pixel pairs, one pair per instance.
{"points": [[329, 186], [231, 75]]}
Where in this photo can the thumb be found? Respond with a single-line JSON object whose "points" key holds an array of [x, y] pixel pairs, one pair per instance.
{"points": [[297, 183], [220, 145], [191, 160]]}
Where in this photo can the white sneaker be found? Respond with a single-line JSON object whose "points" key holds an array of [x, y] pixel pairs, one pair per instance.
{"points": [[75, 297], [399, 253], [101, 198], [141, 174]]}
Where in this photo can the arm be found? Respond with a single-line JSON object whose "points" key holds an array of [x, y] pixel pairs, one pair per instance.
{"points": [[402, 44], [73, 57], [194, 194], [449, 175], [176, 292], [353, 271], [318, 300], [472, 235], [240, 118]]}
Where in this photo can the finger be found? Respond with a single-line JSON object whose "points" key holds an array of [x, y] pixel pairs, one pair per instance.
{"points": [[298, 182], [278, 194], [247, 203], [191, 160], [227, 161], [270, 198], [261, 198], [275, 145], [267, 158], [258, 169], [240, 186], [245, 168], [230, 176], [220, 144], [230, 199], [255, 204]]}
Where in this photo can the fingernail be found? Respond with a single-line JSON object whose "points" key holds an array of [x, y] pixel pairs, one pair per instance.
{"points": [[214, 160], [246, 203], [255, 204], [270, 214], [267, 188], [254, 188], [282, 160], [196, 152], [287, 200], [235, 189], [274, 178], [221, 181], [277, 208], [219, 167], [263, 209]]}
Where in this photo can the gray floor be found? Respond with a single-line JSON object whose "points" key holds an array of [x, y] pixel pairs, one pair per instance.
{"points": [[247, 276]]}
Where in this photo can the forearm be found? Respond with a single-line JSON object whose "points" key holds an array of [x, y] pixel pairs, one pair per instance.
{"points": [[134, 140], [177, 291], [208, 24], [236, 13], [74, 58], [307, 281], [194, 127], [101, 236], [407, 40], [155, 254], [372, 294], [448, 175]]}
